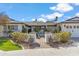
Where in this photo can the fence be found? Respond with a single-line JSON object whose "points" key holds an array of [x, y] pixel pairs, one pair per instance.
{"points": [[46, 37]]}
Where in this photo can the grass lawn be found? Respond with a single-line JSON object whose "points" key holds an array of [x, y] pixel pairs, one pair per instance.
{"points": [[7, 45]]}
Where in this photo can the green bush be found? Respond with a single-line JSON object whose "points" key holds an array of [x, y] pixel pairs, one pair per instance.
{"points": [[37, 29], [24, 30], [62, 37], [19, 36]]}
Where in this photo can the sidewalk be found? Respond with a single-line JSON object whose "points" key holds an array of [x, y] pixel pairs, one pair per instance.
{"points": [[70, 51]]}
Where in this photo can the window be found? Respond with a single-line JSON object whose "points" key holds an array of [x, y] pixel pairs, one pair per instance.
{"points": [[64, 25], [67, 26], [77, 26], [16, 27], [13, 27], [74, 26], [70, 26]]}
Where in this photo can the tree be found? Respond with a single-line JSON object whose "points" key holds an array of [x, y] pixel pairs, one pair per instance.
{"points": [[4, 19], [56, 19]]}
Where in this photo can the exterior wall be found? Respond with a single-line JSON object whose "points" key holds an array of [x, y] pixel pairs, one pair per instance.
{"points": [[74, 31], [19, 27], [1, 30], [51, 27]]}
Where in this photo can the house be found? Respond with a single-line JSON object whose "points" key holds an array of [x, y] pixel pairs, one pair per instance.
{"points": [[71, 25], [11, 26], [16, 26], [32, 26]]}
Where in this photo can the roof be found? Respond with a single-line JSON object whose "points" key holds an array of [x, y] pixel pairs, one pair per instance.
{"points": [[40, 23], [12, 21], [72, 20]]}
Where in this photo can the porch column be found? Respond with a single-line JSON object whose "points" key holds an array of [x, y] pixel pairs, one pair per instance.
{"points": [[46, 26], [32, 29]]}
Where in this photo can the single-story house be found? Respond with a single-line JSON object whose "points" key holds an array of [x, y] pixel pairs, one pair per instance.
{"points": [[18, 26], [41, 25], [12, 25], [71, 25]]}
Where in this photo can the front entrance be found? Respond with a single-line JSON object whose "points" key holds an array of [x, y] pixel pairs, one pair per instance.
{"points": [[42, 42], [40, 34]]}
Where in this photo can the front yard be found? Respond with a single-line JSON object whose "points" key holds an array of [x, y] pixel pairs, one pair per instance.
{"points": [[7, 45]]}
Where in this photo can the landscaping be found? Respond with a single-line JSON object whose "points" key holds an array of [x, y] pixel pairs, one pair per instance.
{"points": [[60, 39], [7, 45]]}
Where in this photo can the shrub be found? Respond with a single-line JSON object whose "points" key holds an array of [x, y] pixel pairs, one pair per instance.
{"points": [[37, 29], [65, 37], [57, 37], [24, 30], [19, 36], [61, 37]]}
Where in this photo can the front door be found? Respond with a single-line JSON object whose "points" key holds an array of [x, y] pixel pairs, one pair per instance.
{"points": [[40, 34]]}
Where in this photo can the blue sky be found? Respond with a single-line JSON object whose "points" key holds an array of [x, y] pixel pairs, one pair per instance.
{"points": [[41, 11]]}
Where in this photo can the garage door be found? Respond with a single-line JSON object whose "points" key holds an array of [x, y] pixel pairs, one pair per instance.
{"points": [[75, 33]]}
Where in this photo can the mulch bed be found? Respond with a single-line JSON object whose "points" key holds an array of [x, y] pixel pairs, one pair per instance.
{"points": [[59, 44], [28, 45]]}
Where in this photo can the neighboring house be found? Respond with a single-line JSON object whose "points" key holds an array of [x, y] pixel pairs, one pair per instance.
{"points": [[72, 26], [12, 26]]}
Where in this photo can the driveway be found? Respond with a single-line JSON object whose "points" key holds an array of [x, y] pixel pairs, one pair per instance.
{"points": [[76, 39]]}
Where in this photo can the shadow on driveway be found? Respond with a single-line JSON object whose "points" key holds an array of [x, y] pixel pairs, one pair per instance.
{"points": [[76, 39]]}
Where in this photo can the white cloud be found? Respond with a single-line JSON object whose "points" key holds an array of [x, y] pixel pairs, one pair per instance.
{"points": [[52, 16], [77, 14], [33, 19], [48, 17], [53, 8], [43, 15], [42, 19], [23, 19], [62, 7], [77, 4]]}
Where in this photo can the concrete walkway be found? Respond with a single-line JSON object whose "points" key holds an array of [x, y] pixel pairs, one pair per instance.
{"points": [[42, 43]]}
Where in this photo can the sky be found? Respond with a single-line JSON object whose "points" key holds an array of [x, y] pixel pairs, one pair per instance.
{"points": [[26, 12]]}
